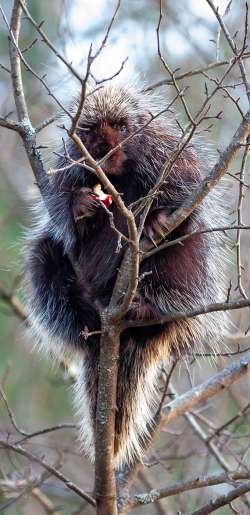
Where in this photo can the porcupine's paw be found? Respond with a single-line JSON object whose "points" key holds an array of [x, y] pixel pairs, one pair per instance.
{"points": [[156, 224], [84, 203]]}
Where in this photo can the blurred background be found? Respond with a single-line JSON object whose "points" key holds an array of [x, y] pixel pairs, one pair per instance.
{"points": [[38, 394]]}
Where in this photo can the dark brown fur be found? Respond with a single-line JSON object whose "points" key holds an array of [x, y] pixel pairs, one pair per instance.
{"points": [[179, 277]]}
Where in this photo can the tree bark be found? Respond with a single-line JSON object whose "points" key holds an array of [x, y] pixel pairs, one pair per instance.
{"points": [[105, 482]]}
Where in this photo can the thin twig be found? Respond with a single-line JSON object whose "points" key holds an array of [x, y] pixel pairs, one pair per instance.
{"points": [[223, 500], [64, 479]]}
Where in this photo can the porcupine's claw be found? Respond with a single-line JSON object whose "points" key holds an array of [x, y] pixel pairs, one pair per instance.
{"points": [[84, 203], [156, 224]]}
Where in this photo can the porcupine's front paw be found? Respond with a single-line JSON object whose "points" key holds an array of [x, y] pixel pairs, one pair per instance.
{"points": [[156, 224], [84, 203]]}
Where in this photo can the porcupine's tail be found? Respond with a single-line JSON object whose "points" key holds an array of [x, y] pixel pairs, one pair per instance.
{"points": [[138, 394], [136, 399]]}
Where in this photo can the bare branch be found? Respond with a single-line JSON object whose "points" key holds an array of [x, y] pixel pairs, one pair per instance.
{"points": [[167, 67], [204, 391], [183, 486], [107, 79], [232, 43], [229, 422], [210, 181], [26, 130], [223, 500], [192, 73], [45, 502], [45, 123], [64, 479], [179, 240], [182, 315], [13, 302], [111, 22], [16, 73], [10, 124], [240, 222], [47, 41], [16, 57]]}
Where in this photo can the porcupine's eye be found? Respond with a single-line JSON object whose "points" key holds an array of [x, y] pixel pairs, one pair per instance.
{"points": [[120, 127], [123, 129]]}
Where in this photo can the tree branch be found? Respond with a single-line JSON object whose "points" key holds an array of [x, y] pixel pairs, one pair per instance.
{"points": [[64, 479], [210, 181], [183, 486], [223, 500], [204, 391], [182, 315]]}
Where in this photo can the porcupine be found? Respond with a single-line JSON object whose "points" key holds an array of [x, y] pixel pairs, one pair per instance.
{"points": [[181, 277]]}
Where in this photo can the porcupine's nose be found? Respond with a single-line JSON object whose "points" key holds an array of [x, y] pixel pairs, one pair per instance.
{"points": [[103, 148]]}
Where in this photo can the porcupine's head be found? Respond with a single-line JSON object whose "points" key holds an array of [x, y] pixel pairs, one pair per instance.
{"points": [[109, 116]]}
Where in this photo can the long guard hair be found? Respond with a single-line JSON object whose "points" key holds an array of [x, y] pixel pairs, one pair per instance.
{"points": [[181, 277]]}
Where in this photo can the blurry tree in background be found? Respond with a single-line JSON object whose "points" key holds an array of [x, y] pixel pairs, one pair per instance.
{"points": [[210, 440]]}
